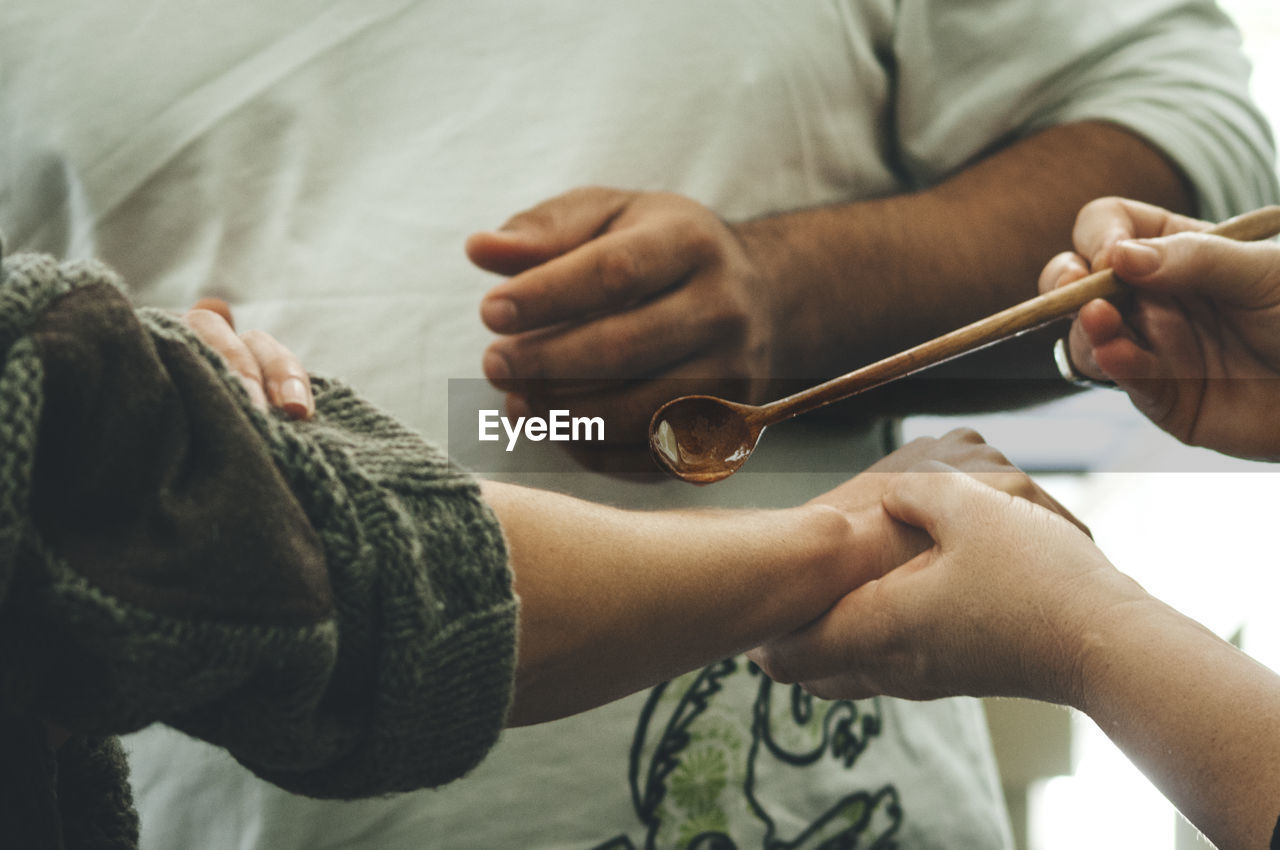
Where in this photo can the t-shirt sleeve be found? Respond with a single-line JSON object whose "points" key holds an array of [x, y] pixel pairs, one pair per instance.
{"points": [[973, 74]]}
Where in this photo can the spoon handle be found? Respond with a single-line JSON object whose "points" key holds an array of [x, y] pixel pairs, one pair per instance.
{"points": [[1262, 223]]}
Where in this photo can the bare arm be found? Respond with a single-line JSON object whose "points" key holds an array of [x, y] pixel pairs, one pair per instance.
{"points": [[1012, 601], [897, 271], [1199, 717], [608, 285], [615, 601]]}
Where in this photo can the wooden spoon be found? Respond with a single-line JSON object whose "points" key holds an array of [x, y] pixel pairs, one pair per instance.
{"points": [[702, 439]]}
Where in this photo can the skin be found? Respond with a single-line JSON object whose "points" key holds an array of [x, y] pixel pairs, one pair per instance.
{"points": [[608, 612], [605, 285], [616, 601], [271, 374], [1197, 348], [1012, 600]]}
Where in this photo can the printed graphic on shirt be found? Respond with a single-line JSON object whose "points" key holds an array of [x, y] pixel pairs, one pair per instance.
{"points": [[701, 779]]}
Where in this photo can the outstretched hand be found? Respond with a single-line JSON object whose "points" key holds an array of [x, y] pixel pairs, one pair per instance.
{"points": [[1198, 347], [271, 374]]}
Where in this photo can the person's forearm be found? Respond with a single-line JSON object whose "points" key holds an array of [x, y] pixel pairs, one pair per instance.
{"points": [[864, 280], [1199, 717], [615, 601]]}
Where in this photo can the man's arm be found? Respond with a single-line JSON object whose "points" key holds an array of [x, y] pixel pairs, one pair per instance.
{"points": [[1004, 116], [751, 310], [889, 273]]}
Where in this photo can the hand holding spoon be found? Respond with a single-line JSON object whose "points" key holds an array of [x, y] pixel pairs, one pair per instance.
{"points": [[703, 439]]}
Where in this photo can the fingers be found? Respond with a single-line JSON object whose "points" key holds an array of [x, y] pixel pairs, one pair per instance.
{"points": [[646, 340], [1104, 222], [269, 372], [287, 385], [1161, 369], [627, 345], [1243, 275], [1100, 322], [1019, 485], [1112, 349], [218, 334], [832, 654], [615, 291], [964, 450], [1061, 270], [550, 229], [609, 273], [1101, 236], [881, 638]]}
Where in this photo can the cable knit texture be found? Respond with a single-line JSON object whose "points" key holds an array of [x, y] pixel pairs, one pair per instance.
{"points": [[329, 600]]}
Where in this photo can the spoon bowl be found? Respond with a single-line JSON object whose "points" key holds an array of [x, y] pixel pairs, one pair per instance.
{"points": [[704, 439]]}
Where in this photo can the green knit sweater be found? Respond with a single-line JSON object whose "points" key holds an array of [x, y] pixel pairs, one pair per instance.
{"points": [[329, 600]]}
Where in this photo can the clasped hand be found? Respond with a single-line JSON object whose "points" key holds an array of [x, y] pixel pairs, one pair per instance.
{"points": [[618, 301], [951, 611], [996, 600]]}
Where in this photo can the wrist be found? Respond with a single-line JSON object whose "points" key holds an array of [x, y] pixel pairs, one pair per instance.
{"points": [[1109, 635], [851, 546], [767, 251], [811, 262]]}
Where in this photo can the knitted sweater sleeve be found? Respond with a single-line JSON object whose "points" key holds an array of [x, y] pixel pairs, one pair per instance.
{"points": [[328, 600]]}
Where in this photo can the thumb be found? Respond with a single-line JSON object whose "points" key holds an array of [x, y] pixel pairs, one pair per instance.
{"points": [[931, 496], [547, 230], [1244, 275]]}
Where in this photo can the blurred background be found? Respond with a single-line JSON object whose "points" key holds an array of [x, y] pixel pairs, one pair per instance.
{"points": [[1197, 530]]}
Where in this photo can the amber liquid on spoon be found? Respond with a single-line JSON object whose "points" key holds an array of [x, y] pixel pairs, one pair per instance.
{"points": [[707, 440]]}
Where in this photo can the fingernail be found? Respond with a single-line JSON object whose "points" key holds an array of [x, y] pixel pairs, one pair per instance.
{"points": [[499, 314], [1137, 259], [495, 365], [294, 398]]}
